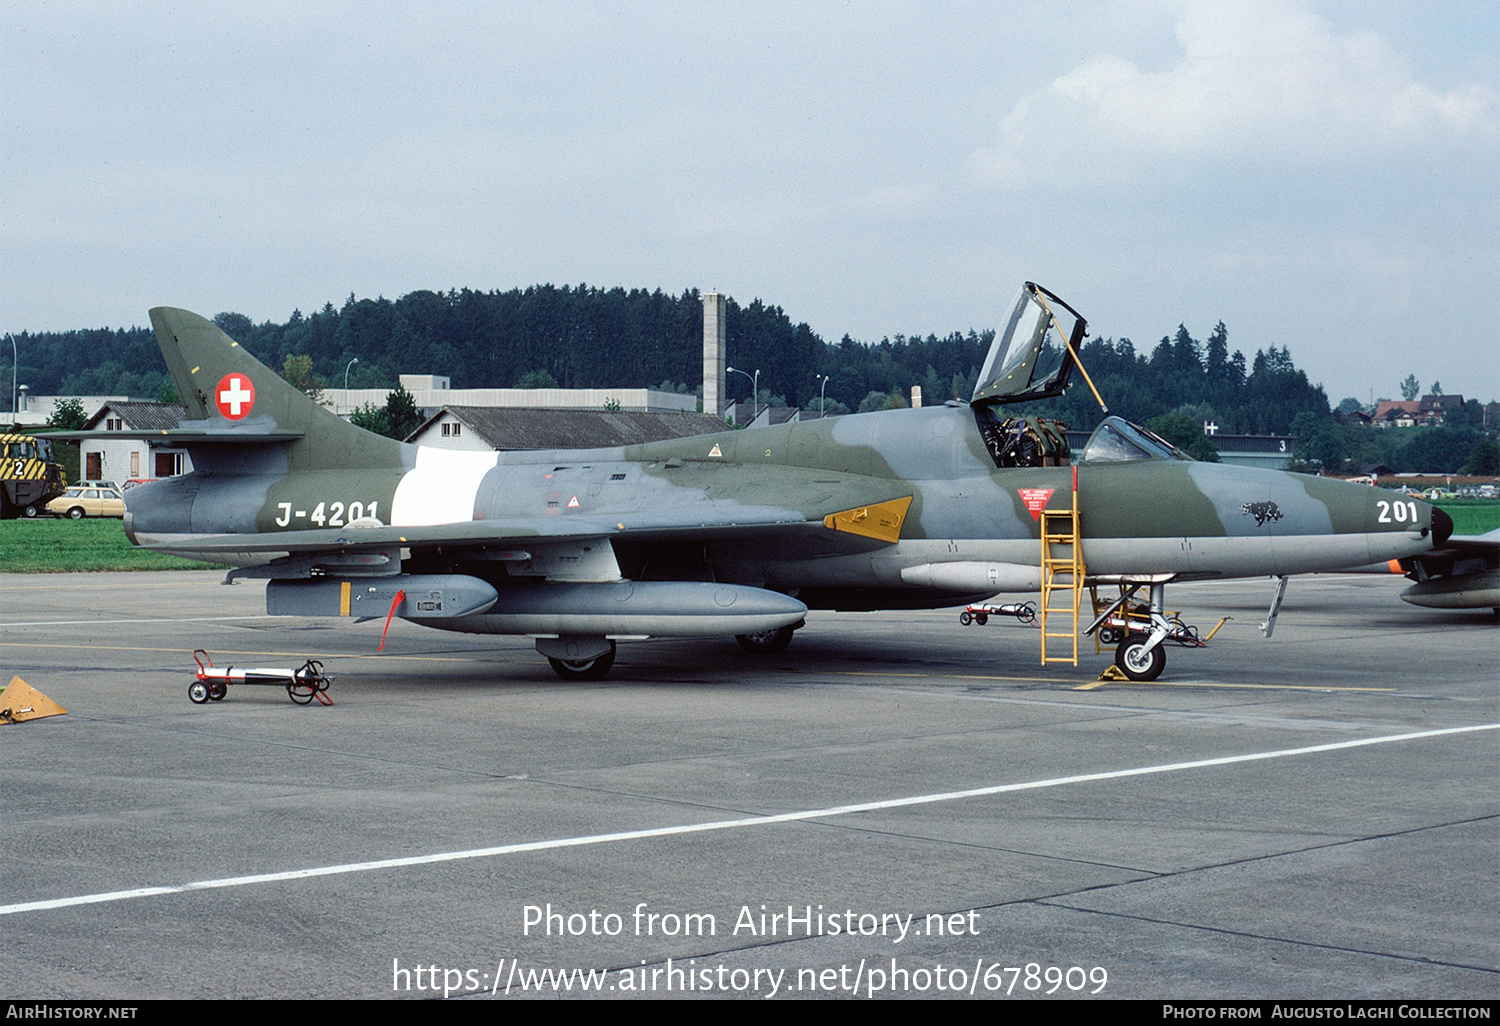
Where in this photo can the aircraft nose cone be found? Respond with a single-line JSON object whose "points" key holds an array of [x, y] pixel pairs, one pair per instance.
{"points": [[1442, 526]]}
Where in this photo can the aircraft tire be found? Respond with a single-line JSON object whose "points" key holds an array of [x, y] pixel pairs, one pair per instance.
{"points": [[1137, 664], [198, 692], [766, 642], [584, 669]]}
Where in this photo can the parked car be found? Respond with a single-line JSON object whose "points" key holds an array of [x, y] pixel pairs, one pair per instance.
{"points": [[82, 501]]}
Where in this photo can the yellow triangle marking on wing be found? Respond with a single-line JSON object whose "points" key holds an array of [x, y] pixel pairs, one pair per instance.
{"points": [[881, 521]]}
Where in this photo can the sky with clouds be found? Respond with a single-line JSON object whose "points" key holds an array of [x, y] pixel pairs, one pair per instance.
{"points": [[1323, 176]]}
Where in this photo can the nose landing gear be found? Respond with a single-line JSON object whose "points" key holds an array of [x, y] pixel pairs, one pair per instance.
{"points": [[1140, 631]]}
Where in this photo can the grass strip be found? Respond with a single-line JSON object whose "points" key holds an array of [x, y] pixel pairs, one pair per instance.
{"points": [[72, 546]]}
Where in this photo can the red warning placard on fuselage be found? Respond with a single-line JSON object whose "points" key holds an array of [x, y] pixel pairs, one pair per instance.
{"points": [[1035, 499]]}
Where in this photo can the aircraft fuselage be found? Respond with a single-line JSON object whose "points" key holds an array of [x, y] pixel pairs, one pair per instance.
{"points": [[1150, 517]]}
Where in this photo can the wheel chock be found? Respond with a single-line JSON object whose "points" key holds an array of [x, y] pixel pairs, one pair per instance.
{"points": [[20, 701], [1111, 673]]}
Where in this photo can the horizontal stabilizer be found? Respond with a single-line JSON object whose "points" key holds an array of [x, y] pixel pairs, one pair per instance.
{"points": [[188, 437]]}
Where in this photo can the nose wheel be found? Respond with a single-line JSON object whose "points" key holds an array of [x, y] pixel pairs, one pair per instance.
{"points": [[1139, 659], [1141, 633]]}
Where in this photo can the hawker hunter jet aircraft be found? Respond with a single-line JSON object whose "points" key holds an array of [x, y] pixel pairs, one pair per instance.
{"points": [[738, 533]]}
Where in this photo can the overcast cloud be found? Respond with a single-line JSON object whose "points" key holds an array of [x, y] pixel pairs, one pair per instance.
{"points": [[1324, 176]]}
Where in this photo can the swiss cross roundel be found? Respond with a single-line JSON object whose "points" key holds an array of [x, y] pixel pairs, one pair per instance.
{"points": [[235, 396]]}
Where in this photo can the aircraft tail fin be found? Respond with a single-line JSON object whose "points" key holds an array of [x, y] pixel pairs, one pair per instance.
{"points": [[231, 396]]}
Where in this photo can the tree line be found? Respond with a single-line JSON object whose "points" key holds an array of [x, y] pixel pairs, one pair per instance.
{"points": [[582, 336]]}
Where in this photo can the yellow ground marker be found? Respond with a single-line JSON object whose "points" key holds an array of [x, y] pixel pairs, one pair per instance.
{"points": [[20, 701]]}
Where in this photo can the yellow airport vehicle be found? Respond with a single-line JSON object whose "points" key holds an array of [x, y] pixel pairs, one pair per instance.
{"points": [[30, 476]]}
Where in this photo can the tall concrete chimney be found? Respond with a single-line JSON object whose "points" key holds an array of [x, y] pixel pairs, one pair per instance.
{"points": [[715, 310]]}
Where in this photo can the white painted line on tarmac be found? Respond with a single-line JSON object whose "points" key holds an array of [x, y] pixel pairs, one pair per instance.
{"points": [[726, 824]]}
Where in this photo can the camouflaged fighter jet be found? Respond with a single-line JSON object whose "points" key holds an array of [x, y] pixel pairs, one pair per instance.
{"points": [[738, 533]]}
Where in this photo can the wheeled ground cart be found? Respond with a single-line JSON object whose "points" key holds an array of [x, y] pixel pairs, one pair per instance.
{"points": [[980, 613], [302, 684]]}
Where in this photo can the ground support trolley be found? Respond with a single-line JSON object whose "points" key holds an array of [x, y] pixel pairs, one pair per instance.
{"points": [[980, 613], [302, 684]]}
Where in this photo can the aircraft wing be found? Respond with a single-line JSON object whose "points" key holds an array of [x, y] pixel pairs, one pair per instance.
{"points": [[1460, 545], [1462, 573], [835, 533], [1489, 542]]}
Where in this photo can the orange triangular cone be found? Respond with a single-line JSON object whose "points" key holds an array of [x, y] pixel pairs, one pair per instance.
{"points": [[20, 701]]}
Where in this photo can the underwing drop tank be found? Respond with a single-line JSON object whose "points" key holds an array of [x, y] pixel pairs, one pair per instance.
{"points": [[618, 609]]}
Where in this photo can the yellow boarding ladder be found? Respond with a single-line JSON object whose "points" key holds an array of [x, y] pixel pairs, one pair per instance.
{"points": [[1062, 576]]}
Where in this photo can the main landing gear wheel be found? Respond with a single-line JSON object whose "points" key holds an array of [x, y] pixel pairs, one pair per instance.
{"points": [[766, 642], [1137, 663], [198, 692], [584, 669]]}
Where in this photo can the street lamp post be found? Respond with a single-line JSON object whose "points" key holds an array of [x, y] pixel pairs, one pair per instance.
{"points": [[351, 363], [15, 363], [755, 389], [822, 390]]}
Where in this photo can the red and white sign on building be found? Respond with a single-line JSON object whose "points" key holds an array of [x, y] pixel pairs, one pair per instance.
{"points": [[235, 396], [1035, 499]]}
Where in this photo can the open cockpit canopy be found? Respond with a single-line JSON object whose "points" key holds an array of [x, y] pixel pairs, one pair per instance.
{"points": [[1030, 358], [1116, 440]]}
